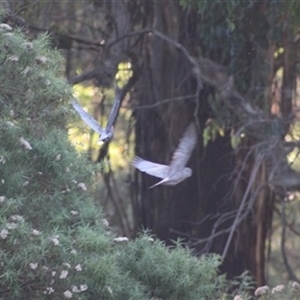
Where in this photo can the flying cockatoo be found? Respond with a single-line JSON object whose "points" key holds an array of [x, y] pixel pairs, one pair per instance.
{"points": [[177, 170], [107, 133]]}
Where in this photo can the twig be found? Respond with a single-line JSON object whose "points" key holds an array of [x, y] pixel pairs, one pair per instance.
{"points": [[164, 37], [119, 211], [289, 225], [164, 101], [242, 205]]}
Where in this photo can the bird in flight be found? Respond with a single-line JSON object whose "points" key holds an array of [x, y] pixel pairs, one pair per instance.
{"points": [[106, 134], [177, 170]]}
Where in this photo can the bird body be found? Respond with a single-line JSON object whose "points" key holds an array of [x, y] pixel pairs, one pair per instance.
{"points": [[175, 178], [176, 172]]}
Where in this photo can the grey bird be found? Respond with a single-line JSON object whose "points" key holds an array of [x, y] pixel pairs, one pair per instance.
{"points": [[107, 133], [177, 170]]}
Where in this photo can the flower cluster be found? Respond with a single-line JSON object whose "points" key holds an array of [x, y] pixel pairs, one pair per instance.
{"points": [[16, 219], [54, 239], [261, 290]]}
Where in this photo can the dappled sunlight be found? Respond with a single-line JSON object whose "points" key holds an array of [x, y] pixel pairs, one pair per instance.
{"points": [[294, 136], [98, 104]]}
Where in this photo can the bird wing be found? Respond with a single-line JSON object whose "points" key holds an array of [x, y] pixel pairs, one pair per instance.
{"points": [[157, 170], [185, 148], [115, 109], [88, 119]]}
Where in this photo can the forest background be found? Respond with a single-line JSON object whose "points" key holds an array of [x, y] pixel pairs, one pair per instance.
{"points": [[232, 67]]}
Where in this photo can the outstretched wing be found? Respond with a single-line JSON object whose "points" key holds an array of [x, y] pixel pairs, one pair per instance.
{"points": [[185, 148], [115, 108], [88, 119], [157, 170]]}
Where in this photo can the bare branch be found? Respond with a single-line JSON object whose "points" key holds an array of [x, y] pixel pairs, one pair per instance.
{"points": [[89, 75], [243, 204]]}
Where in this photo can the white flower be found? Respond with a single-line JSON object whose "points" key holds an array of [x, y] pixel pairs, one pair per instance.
{"points": [[75, 289], [26, 70], [67, 170], [63, 274], [58, 157], [68, 294], [45, 268], [33, 266], [49, 290], [277, 288], [261, 290], [53, 273], [5, 27], [55, 240], [82, 186], [237, 297], [121, 239], [17, 218], [25, 183], [2, 181], [105, 223], [67, 190], [11, 225], [78, 268], [73, 251], [35, 232], [13, 57], [2, 160], [2, 199], [9, 123], [74, 212], [109, 289], [41, 59], [4, 234], [25, 143], [83, 287], [296, 285], [67, 265]]}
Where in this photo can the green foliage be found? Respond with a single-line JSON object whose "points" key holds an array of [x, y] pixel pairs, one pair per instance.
{"points": [[241, 35], [44, 201], [211, 131], [164, 270]]}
